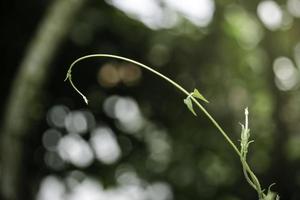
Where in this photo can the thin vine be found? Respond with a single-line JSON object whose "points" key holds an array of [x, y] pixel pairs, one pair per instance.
{"points": [[189, 101]]}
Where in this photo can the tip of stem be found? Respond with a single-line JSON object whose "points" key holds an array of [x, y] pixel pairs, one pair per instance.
{"points": [[246, 111], [86, 100]]}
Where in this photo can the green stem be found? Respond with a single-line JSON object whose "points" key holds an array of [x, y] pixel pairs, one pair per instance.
{"points": [[246, 175], [162, 76], [254, 180], [246, 169]]}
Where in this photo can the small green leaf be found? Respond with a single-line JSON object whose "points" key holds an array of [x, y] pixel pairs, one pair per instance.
{"points": [[189, 104], [198, 95]]}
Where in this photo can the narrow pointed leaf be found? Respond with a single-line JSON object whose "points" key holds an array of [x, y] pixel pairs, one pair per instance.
{"points": [[189, 104], [198, 95]]}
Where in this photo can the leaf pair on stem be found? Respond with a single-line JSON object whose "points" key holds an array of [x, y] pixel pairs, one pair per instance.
{"points": [[188, 102]]}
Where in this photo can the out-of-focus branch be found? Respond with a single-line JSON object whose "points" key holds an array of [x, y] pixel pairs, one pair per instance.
{"points": [[17, 118]]}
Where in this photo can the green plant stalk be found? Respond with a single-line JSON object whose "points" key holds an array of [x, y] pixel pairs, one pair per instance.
{"points": [[252, 180], [162, 76], [247, 176]]}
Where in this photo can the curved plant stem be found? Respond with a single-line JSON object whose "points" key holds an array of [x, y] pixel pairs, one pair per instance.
{"points": [[248, 173], [247, 176], [255, 180], [162, 76]]}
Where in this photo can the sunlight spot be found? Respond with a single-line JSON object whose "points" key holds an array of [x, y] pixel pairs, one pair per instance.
{"points": [[84, 188], [159, 147], [129, 115], [147, 11], [50, 139], [88, 189], [51, 188], [159, 191], [243, 26], [199, 12], [126, 175], [76, 122], [127, 192], [156, 16], [293, 7], [283, 68], [287, 20], [270, 14], [129, 74], [90, 119], [72, 148], [109, 105], [56, 116], [286, 74], [74, 178], [105, 145], [108, 75]]}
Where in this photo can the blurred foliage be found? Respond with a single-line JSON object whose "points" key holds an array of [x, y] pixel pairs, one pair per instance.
{"points": [[231, 62]]}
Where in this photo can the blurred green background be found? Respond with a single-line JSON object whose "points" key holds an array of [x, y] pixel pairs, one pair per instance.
{"points": [[136, 140]]}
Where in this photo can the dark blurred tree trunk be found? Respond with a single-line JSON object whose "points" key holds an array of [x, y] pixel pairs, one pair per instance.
{"points": [[18, 117]]}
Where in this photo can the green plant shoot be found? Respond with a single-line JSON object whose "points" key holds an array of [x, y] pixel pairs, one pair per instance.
{"points": [[191, 98]]}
